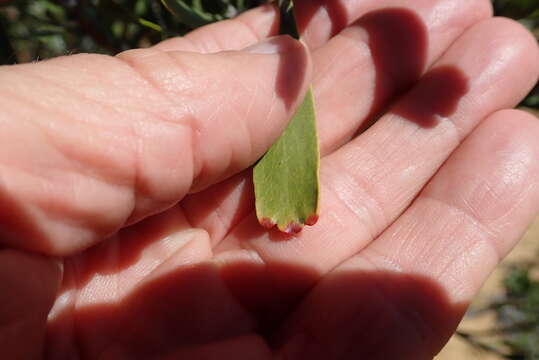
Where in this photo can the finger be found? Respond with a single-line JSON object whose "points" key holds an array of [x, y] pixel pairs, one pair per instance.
{"points": [[356, 74], [318, 21], [380, 57], [28, 284], [436, 256], [242, 31], [129, 276], [134, 141], [221, 207], [133, 254], [371, 180]]}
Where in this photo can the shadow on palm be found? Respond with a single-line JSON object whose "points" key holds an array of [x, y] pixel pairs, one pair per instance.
{"points": [[375, 314]]}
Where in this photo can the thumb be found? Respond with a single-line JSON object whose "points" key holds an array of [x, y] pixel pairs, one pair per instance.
{"points": [[234, 103], [28, 284], [89, 143]]}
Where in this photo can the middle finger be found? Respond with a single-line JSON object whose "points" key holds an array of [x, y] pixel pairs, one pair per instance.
{"points": [[370, 181], [354, 80]]}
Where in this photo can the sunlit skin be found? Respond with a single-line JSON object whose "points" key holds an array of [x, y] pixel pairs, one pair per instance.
{"points": [[127, 214]]}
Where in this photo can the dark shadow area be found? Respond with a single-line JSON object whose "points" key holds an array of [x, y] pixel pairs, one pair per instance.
{"points": [[18, 228], [351, 315], [436, 96], [7, 53], [307, 9], [398, 42], [291, 72], [377, 316], [269, 293]]}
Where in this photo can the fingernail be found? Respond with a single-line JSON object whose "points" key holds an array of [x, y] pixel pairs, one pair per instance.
{"points": [[272, 45]]}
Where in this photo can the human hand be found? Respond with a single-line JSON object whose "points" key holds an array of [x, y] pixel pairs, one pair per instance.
{"points": [[416, 211]]}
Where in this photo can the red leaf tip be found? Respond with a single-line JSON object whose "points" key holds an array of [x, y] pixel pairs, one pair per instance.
{"points": [[311, 220], [267, 223], [293, 228]]}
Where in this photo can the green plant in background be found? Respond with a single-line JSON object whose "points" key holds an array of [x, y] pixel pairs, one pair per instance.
{"points": [[195, 13], [516, 334], [40, 29], [518, 316]]}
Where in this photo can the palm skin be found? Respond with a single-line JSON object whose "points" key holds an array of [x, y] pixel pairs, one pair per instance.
{"points": [[416, 210]]}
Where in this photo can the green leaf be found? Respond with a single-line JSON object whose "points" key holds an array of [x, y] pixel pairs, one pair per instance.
{"points": [[286, 179], [150, 25], [193, 16]]}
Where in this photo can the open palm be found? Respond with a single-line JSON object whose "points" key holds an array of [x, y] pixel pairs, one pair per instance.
{"points": [[426, 184]]}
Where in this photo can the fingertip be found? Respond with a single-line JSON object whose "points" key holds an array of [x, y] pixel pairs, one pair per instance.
{"points": [[263, 21], [514, 123], [499, 58], [519, 129], [294, 68], [233, 34], [510, 116], [514, 41], [259, 89], [482, 9]]}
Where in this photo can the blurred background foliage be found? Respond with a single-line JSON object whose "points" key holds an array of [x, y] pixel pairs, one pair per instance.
{"points": [[39, 29], [515, 334]]}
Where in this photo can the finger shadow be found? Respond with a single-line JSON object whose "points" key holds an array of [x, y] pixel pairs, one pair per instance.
{"points": [[191, 305], [435, 97], [19, 229], [293, 63], [398, 44], [291, 72], [373, 315]]}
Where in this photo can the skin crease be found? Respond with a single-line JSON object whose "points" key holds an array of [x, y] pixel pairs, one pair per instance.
{"points": [[416, 212]]}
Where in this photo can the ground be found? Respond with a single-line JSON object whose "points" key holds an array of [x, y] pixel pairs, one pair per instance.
{"points": [[527, 249]]}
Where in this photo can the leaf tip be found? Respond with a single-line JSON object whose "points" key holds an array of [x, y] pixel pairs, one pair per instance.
{"points": [[312, 220], [267, 223], [293, 228]]}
